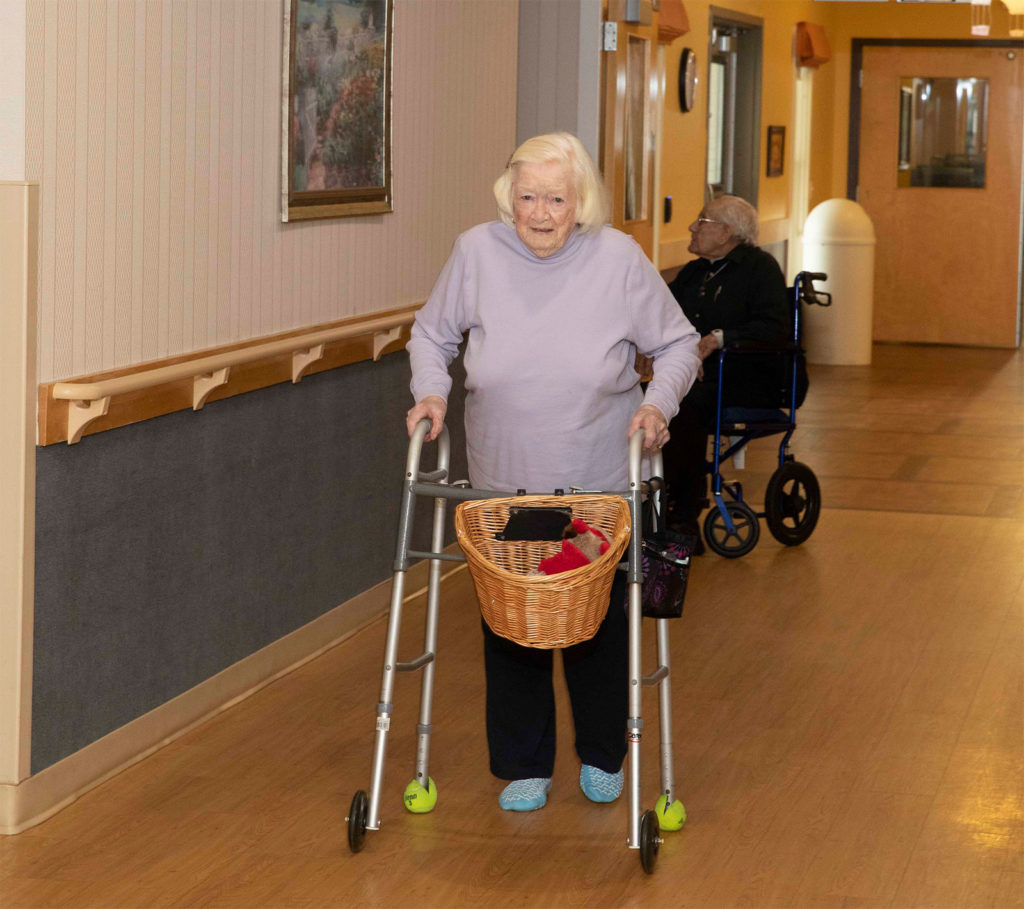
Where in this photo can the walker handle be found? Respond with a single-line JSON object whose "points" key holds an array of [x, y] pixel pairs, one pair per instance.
{"points": [[636, 449], [412, 461]]}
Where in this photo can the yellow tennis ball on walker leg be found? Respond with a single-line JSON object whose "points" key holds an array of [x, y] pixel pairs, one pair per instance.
{"points": [[670, 817], [420, 799]]}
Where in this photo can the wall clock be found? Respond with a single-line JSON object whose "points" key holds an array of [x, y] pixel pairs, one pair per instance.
{"points": [[687, 79]]}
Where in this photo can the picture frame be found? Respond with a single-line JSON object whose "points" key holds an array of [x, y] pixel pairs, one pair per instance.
{"points": [[776, 150], [336, 109]]}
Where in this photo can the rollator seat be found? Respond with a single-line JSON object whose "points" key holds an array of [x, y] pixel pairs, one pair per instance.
{"points": [[734, 415], [754, 422]]}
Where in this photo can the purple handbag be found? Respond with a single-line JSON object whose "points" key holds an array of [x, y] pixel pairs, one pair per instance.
{"points": [[666, 569]]}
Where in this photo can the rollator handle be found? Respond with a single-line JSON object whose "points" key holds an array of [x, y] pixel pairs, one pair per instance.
{"points": [[636, 441]]}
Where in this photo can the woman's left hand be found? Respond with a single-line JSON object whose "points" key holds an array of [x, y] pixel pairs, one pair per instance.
{"points": [[644, 367], [653, 422], [707, 346]]}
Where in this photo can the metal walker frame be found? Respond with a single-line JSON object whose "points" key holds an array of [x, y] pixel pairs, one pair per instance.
{"points": [[643, 825]]}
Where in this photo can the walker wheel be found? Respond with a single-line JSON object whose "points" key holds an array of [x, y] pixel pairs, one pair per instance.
{"points": [[357, 821], [792, 502], [736, 543], [649, 840]]}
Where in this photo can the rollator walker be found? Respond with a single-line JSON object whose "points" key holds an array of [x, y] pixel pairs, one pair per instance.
{"points": [[642, 825]]}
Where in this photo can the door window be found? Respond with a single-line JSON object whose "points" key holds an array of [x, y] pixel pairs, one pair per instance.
{"points": [[734, 105], [943, 132]]}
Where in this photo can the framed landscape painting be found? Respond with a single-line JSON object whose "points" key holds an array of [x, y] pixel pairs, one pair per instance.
{"points": [[776, 150], [336, 129]]}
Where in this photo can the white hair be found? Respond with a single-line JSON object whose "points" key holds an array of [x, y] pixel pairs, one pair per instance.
{"points": [[591, 199], [738, 214]]}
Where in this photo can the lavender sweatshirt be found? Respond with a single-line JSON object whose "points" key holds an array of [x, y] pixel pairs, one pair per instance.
{"points": [[550, 383]]}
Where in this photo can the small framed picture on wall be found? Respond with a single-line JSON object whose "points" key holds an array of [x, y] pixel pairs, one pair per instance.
{"points": [[776, 150]]}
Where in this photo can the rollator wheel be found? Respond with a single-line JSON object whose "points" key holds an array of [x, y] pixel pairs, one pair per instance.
{"points": [[649, 840], [792, 502], [357, 821], [732, 544]]}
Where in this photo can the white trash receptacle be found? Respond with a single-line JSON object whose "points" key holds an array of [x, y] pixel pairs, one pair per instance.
{"points": [[839, 240]]}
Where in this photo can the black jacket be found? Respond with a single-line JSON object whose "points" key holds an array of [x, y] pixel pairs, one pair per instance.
{"points": [[744, 295]]}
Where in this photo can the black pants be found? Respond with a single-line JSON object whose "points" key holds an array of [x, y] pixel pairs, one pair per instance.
{"points": [[521, 698], [685, 454]]}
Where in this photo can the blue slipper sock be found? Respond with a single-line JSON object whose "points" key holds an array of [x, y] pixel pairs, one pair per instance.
{"points": [[525, 795], [599, 786]]}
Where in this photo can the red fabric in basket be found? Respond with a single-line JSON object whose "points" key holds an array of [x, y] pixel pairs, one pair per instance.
{"points": [[571, 555]]}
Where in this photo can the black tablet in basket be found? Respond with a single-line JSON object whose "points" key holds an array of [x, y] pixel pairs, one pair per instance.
{"points": [[536, 522]]}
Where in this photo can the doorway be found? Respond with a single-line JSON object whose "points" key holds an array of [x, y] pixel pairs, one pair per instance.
{"points": [[935, 161], [631, 101], [734, 105]]}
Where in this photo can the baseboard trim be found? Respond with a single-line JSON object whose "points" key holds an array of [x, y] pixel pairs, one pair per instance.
{"points": [[41, 796]]}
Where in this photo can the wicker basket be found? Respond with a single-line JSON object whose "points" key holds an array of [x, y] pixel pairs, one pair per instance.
{"points": [[543, 611]]}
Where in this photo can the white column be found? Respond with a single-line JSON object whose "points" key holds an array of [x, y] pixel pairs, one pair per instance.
{"points": [[12, 89], [19, 205], [800, 181]]}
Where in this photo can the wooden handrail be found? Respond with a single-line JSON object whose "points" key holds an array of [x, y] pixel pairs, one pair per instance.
{"points": [[87, 401]]}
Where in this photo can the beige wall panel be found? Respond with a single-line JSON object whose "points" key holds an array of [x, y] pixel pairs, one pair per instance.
{"points": [[18, 223], [110, 174], [62, 179], [95, 24], [35, 14], [153, 127]]}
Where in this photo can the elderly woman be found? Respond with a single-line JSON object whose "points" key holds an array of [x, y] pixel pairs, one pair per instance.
{"points": [[556, 305], [734, 291]]}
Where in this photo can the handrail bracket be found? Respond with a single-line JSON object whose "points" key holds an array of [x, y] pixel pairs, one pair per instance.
{"points": [[204, 384], [82, 413], [384, 339], [303, 359]]}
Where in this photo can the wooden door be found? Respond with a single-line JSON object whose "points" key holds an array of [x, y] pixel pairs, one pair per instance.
{"points": [[628, 131], [947, 266]]}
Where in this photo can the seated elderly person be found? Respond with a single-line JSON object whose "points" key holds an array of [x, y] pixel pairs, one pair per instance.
{"points": [[734, 292]]}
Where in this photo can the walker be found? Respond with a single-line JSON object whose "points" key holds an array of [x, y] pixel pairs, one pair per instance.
{"points": [[643, 826]]}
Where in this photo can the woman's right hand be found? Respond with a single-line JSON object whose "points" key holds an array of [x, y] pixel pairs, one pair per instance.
{"points": [[431, 408]]}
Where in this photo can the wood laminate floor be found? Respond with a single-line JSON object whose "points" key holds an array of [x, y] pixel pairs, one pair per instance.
{"points": [[848, 715]]}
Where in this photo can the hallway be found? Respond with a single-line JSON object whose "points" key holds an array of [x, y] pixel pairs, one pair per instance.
{"points": [[848, 715]]}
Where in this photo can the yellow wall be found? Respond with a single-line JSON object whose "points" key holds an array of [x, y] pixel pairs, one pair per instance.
{"points": [[887, 20], [685, 134]]}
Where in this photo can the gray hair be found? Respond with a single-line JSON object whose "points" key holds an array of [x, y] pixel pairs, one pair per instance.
{"points": [[591, 198], [738, 214]]}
